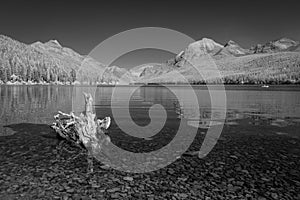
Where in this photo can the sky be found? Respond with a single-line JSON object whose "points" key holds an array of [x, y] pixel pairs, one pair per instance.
{"points": [[83, 25]]}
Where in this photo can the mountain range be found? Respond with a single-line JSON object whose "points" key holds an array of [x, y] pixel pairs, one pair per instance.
{"points": [[277, 61]]}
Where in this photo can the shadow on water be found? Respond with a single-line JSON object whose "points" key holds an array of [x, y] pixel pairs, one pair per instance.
{"points": [[31, 146], [28, 138], [36, 149], [32, 130]]}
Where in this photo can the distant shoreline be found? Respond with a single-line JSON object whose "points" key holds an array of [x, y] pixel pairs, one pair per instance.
{"points": [[291, 86]]}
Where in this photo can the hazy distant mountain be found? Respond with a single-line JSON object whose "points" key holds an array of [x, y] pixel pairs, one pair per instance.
{"points": [[139, 71], [116, 75], [297, 49], [231, 48], [150, 70], [282, 44], [294, 48]]}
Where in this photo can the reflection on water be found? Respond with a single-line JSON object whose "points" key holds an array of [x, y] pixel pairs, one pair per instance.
{"points": [[31, 104], [38, 104], [276, 108]]}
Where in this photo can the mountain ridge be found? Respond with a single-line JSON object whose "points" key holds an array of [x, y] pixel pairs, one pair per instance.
{"points": [[280, 66], [231, 48], [273, 46], [51, 62]]}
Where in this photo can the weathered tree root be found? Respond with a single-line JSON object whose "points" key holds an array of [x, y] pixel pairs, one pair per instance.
{"points": [[84, 131]]}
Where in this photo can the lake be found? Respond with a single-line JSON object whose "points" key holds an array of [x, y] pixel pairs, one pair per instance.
{"points": [[256, 155], [278, 106]]}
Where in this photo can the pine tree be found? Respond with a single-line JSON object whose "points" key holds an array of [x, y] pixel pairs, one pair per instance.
{"points": [[1, 72], [22, 72], [4, 78], [73, 75], [48, 75], [29, 74], [8, 73]]}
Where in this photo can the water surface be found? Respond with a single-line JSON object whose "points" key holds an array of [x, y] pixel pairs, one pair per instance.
{"points": [[277, 106], [257, 153]]}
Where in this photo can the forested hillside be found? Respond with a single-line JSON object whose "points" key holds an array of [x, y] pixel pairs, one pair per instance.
{"points": [[30, 64], [44, 63], [269, 68]]}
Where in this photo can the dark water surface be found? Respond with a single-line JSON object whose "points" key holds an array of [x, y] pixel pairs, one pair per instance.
{"points": [[278, 106], [257, 154]]}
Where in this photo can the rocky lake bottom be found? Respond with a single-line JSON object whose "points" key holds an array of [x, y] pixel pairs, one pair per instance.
{"points": [[253, 159]]}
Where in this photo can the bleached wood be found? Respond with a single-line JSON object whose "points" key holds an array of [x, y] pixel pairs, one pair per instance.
{"points": [[84, 130]]}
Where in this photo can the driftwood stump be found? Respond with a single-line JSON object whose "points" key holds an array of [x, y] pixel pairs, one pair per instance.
{"points": [[84, 131]]}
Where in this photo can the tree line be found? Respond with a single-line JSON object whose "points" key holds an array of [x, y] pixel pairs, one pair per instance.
{"points": [[29, 64], [35, 73]]}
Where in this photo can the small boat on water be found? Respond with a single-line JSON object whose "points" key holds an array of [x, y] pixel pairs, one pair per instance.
{"points": [[265, 86]]}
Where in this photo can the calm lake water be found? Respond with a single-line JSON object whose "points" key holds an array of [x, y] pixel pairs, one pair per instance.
{"points": [[257, 153], [276, 106]]}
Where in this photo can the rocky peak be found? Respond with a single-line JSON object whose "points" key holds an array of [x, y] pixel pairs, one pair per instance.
{"points": [[284, 43], [53, 43], [115, 69], [202, 47], [231, 48], [205, 44], [231, 43], [281, 44], [285, 39]]}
